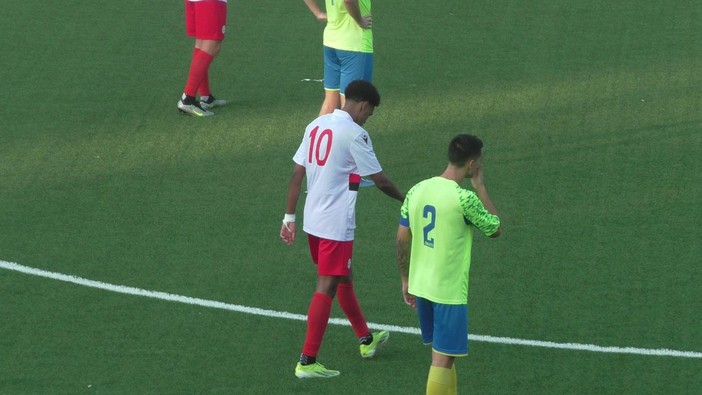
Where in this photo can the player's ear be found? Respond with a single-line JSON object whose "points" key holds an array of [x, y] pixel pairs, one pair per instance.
{"points": [[362, 106], [469, 167]]}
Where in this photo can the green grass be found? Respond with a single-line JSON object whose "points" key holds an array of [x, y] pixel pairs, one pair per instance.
{"points": [[590, 112]]}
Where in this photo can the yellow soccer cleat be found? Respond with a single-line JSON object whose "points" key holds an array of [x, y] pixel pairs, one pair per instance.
{"points": [[314, 370], [368, 350]]}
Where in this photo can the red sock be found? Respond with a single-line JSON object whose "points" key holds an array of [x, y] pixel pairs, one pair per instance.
{"points": [[205, 85], [198, 71], [317, 319], [349, 303]]}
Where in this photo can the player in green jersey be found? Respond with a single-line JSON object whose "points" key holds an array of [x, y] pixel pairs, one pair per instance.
{"points": [[434, 242], [348, 47]]}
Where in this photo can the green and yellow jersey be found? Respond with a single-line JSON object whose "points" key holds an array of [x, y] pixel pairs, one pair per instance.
{"points": [[342, 32], [442, 215]]}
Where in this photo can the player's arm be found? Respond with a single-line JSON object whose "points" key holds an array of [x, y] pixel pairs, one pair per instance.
{"points": [[354, 10], [387, 186], [489, 206], [316, 11], [403, 249], [481, 191], [288, 229]]}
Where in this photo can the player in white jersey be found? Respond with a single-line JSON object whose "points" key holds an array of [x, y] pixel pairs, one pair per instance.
{"points": [[334, 154]]}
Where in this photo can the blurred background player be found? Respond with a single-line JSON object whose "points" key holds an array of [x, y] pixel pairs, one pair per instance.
{"points": [[206, 21], [335, 152], [434, 242], [348, 47]]}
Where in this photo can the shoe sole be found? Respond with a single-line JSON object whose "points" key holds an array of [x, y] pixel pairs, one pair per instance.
{"points": [[301, 375], [192, 114], [315, 377]]}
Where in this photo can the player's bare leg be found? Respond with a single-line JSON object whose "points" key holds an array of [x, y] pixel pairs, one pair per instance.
{"points": [[212, 47], [332, 101]]}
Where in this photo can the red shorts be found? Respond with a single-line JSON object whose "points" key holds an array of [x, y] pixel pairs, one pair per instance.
{"points": [[205, 20], [333, 258]]}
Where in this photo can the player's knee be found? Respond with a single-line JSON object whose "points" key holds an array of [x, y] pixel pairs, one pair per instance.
{"points": [[212, 47]]}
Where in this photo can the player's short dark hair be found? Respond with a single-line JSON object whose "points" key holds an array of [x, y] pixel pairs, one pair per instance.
{"points": [[361, 90], [463, 148]]}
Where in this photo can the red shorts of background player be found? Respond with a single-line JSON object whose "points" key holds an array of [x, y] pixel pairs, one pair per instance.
{"points": [[333, 258], [205, 20]]}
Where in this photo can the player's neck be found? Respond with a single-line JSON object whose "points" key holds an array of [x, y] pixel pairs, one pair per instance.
{"points": [[456, 174]]}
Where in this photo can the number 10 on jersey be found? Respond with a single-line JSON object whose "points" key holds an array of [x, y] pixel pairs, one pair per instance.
{"points": [[320, 146]]}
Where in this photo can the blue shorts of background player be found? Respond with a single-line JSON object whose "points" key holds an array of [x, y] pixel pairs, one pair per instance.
{"points": [[444, 326], [341, 67]]}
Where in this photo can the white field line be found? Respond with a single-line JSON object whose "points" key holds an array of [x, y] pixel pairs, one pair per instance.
{"points": [[336, 321]]}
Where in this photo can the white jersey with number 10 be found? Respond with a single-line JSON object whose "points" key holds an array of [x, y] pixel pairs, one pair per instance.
{"points": [[336, 153]]}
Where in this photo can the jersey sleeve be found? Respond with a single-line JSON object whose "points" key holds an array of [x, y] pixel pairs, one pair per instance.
{"points": [[364, 156], [301, 153], [404, 210], [474, 212]]}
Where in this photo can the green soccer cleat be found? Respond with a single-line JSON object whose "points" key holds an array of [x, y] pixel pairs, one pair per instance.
{"points": [[368, 350], [315, 370]]}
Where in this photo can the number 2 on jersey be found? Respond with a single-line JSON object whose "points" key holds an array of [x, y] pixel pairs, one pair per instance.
{"points": [[320, 148], [429, 212]]}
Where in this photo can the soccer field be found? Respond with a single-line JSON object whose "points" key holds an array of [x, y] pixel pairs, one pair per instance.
{"points": [[139, 249]]}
